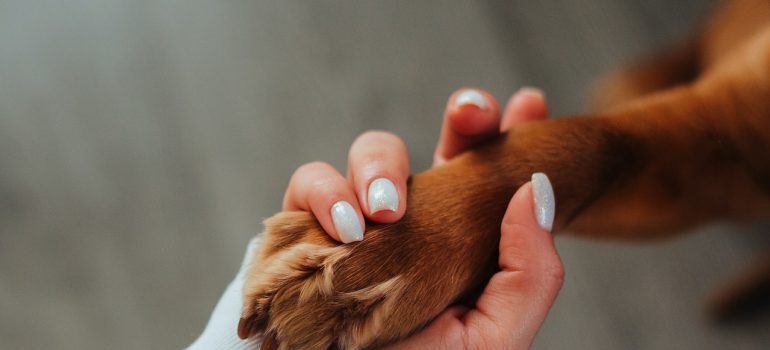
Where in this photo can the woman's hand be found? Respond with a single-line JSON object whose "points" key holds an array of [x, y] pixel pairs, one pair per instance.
{"points": [[378, 163], [515, 301]]}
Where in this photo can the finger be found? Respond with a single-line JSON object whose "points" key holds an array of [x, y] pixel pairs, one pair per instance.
{"points": [[517, 299], [471, 116], [378, 167], [527, 104], [319, 188]]}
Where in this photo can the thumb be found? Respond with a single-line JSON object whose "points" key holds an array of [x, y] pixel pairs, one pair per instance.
{"points": [[526, 245], [517, 299]]}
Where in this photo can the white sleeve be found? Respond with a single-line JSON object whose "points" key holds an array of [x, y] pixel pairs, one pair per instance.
{"points": [[221, 332]]}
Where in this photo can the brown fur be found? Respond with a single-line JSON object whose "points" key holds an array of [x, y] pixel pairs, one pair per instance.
{"points": [[682, 141]]}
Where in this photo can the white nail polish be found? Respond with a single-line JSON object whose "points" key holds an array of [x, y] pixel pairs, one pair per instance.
{"points": [[472, 97], [545, 202], [346, 222], [382, 196]]}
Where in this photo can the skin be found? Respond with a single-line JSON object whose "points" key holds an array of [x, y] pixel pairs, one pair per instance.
{"points": [[517, 299], [650, 167]]}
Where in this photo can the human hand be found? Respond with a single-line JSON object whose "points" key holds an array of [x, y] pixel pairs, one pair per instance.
{"points": [[515, 302], [378, 163], [517, 299], [471, 117]]}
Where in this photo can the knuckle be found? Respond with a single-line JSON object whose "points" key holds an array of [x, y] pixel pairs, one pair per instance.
{"points": [[395, 141], [373, 157], [312, 167], [381, 137], [378, 153], [554, 273], [324, 185], [316, 180]]}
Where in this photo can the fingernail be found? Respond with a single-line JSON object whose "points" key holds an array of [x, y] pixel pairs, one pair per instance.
{"points": [[528, 90], [471, 97], [346, 222], [545, 202], [382, 196]]}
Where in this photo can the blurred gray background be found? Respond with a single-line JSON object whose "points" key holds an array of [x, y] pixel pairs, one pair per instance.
{"points": [[142, 143]]}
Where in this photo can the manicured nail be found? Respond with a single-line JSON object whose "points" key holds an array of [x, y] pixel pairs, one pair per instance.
{"points": [[471, 97], [528, 90], [545, 202], [346, 222], [382, 196]]}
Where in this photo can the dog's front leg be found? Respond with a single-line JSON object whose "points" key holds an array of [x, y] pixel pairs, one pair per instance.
{"points": [[655, 167]]}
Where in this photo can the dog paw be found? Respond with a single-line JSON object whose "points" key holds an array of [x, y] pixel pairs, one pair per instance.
{"points": [[306, 291]]}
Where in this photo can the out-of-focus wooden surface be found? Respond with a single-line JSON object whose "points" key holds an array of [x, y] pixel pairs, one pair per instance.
{"points": [[142, 142]]}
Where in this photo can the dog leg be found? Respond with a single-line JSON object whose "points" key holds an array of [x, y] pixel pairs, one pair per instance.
{"points": [[676, 66], [306, 291], [658, 165]]}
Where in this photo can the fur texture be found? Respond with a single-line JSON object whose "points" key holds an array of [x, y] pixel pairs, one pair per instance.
{"points": [[680, 140]]}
